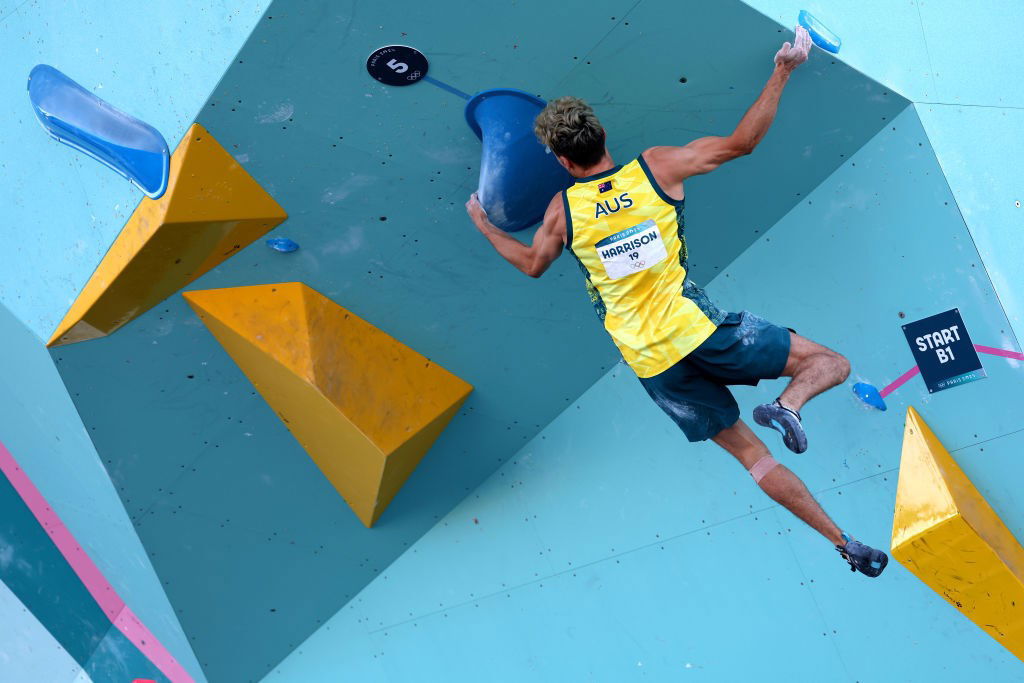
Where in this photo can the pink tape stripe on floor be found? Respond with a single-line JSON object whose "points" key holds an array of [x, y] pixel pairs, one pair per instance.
{"points": [[102, 592]]}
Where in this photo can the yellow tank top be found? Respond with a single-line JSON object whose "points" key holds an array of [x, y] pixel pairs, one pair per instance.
{"points": [[627, 236]]}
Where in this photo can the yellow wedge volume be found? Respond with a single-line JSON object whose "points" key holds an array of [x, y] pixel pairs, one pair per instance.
{"points": [[948, 536], [211, 210], [365, 407]]}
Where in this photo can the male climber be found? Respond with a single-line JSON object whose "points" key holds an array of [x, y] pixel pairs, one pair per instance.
{"points": [[624, 226]]}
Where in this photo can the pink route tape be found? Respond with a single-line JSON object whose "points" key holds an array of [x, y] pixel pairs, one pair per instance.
{"points": [[120, 615], [1016, 355], [900, 381]]}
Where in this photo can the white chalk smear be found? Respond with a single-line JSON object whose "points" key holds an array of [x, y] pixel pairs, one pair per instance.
{"points": [[333, 195], [348, 243], [283, 112]]}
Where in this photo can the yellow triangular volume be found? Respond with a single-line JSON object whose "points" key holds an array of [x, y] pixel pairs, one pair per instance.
{"points": [[923, 498], [365, 407], [211, 210], [946, 533]]}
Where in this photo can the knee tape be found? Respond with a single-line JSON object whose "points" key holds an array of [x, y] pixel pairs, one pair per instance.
{"points": [[763, 467]]}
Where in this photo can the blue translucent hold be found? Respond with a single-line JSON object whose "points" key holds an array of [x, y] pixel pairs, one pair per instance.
{"points": [[518, 175], [73, 115], [869, 394], [282, 244], [820, 34]]}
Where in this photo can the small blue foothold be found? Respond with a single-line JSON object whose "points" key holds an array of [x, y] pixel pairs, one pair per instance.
{"points": [[869, 394], [820, 35], [282, 244]]}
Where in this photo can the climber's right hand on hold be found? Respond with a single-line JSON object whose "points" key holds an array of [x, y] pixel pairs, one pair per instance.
{"points": [[791, 56]]}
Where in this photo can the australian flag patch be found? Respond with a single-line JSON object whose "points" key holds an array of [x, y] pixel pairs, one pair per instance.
{"points": [[605, 186]]}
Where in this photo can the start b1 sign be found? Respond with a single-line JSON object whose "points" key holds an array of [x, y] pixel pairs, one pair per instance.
{"points": [[944, 351]]}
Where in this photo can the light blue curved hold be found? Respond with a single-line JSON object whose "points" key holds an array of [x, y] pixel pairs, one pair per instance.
{"points": [[518, 175], [74, 116], [820, 34], [869, 394], [282, 244]]}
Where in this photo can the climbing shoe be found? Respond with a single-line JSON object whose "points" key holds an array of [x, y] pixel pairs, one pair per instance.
{"points": [[862, 558], [784, 421]]}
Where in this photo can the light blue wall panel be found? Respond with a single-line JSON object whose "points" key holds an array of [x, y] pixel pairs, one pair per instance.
{"points": [[988, 73], [980, 151], [648, 614], [61, 209], [932, 51], [28, 652], [993, 467], [881, 38]]}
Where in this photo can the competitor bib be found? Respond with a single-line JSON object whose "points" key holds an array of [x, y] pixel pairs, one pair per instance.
{"points": [[631, 250]]}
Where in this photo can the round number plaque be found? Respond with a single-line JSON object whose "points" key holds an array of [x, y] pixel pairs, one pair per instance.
{"points": [[397, 65]]}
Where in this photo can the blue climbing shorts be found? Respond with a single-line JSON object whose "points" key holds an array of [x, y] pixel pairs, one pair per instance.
{"points": [[743, 350]]}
